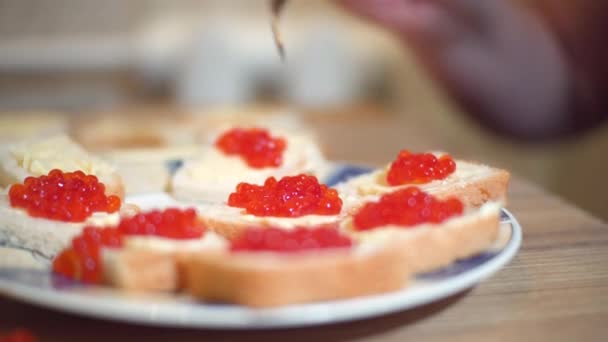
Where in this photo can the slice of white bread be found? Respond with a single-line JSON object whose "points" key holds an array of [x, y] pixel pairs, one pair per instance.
{"points": [[473, 183], [39, 156], [46, 237], [15, 258], [229, 222], [266, 279], [427, 247], [153, 263], [212, 175]]}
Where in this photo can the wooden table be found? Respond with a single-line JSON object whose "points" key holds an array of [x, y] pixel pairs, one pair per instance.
{"points": [[556, 289]]}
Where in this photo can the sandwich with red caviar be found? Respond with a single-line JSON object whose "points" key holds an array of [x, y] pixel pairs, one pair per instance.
{"points": [[269, 267], [436, 173], [37, 157], [432, 232], [245, 155], [140, 253], [289, 202], [42, 214]]}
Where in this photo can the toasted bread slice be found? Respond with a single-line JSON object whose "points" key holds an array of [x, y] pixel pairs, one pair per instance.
{"points": [[266, 279], [38, 157], [229, 222], [153, 263], [473, 183], [427, 247]]}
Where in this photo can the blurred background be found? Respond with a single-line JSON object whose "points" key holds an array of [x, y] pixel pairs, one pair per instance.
{"points": [[81, 57]]}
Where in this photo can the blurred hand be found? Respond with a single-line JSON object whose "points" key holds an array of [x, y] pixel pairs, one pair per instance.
{"points": [[496, 59]]}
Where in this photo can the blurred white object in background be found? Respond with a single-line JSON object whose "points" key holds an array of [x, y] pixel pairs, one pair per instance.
{"points": [[324, 68], [229, 64], [216, 68], [83, 53]]}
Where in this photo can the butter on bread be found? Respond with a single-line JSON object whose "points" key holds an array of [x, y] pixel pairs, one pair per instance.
{"points": [[473, 183], [153, 263], [229, 222], [37, 157], [428, 247], [266, 279], [212, 175], [43, 236]]}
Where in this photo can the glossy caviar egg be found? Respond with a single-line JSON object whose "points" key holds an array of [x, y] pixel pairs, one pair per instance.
{"points": [[63, 196], [255, 145], [292, 196], [411, 168], [407, 207]]}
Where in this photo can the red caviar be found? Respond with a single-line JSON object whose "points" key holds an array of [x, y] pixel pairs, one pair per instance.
{"points": [[18, 335], [63, 196], [407, 207], [255, 145], [82, 260], [171, 223], [411, 168], [286, 241], [289, 197]]}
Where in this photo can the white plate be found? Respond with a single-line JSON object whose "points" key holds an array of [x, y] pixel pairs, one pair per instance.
{"points": [[40, 287]]}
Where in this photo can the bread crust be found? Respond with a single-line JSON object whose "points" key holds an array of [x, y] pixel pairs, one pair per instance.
{"points": [[492, 188], [270, 280], [151, 263], [141, 270]]}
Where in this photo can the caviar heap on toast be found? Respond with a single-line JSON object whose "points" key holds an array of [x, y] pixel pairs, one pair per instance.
{"points": [[249, 154], [406, 207], [286, 203], [63, 196], [432, 232], [255, 146], [294, 196], [43, 213], [436, 173]]}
